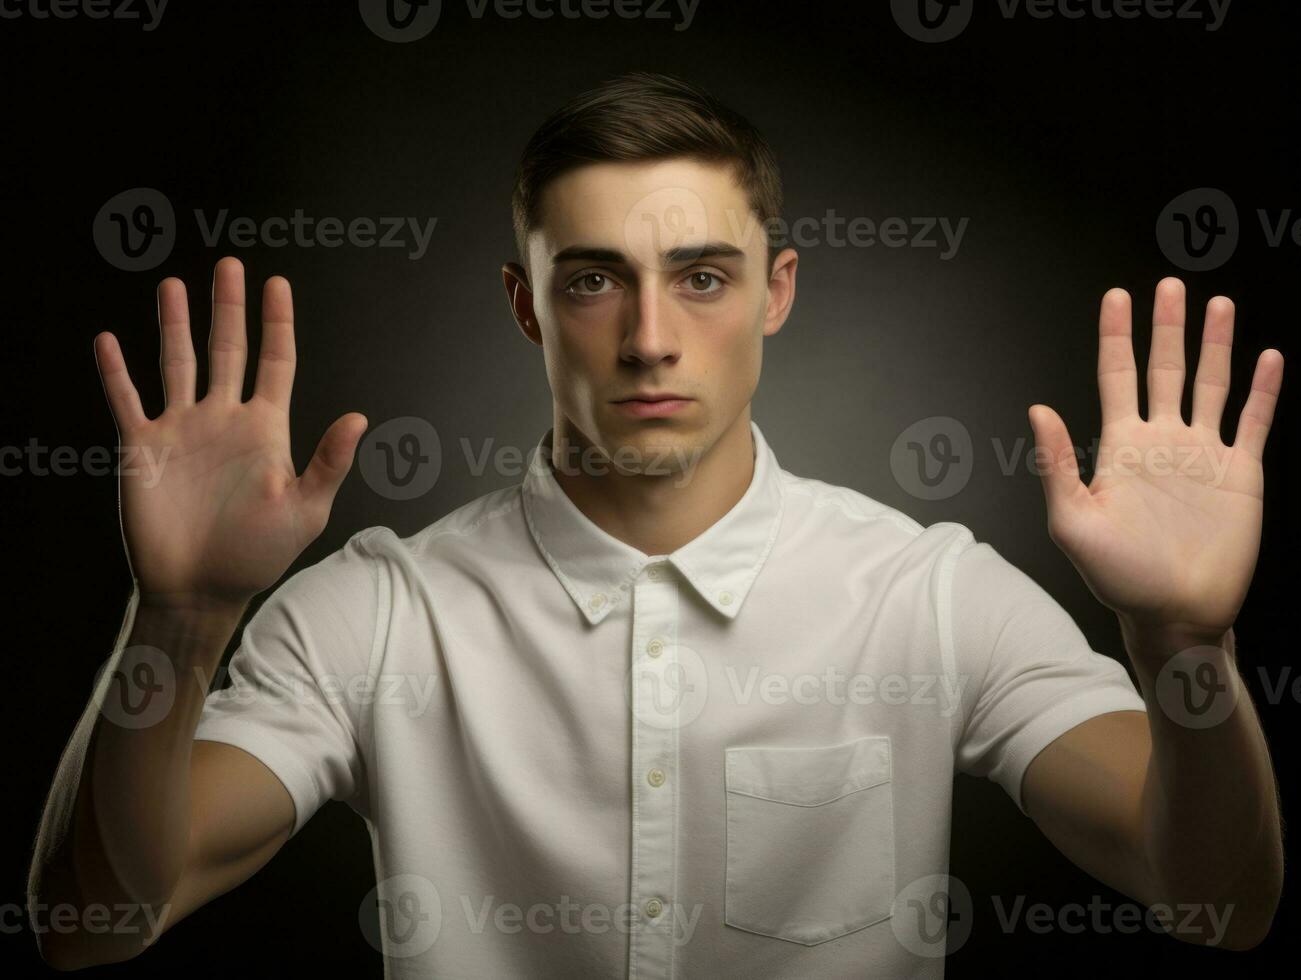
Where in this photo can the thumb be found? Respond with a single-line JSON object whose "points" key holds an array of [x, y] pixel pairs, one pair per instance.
{"points": [[1054, 458], [332, 460]]}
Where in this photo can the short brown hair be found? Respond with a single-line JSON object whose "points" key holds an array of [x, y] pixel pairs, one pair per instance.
{"points": [[645, 116]]}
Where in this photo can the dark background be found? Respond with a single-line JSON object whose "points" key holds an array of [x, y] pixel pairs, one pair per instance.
{"points": [[1060, 139]]}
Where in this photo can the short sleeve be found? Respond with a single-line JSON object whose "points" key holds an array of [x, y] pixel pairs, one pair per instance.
{"points": [[1036, 675], [292, 700]]}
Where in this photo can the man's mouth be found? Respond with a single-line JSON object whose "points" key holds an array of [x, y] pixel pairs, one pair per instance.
{"points": [[653, 404]]}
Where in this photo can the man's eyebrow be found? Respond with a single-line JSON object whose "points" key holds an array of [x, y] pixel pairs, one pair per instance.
{"points": [[672, 256]]}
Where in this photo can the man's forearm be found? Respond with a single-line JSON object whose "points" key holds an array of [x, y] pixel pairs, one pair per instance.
{"points": [[1210, 815], [115, 828]]}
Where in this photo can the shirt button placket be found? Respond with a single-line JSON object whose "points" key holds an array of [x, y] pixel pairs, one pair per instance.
{"points": [[655, 705]]}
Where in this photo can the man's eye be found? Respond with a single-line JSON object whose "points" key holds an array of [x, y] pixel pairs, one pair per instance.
{"points": [[595, 280], [702, 278]]}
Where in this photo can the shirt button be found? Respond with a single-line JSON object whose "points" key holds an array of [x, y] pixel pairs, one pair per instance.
{"points": [[655, 777], [725, 598], [654, 907], [653, 573], [597, 601], [655, 647]]}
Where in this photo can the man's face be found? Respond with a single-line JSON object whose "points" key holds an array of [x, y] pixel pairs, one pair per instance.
{"points": [[625, 304]]}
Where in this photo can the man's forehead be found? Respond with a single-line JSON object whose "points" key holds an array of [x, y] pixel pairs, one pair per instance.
{"points": [[642, 206]]}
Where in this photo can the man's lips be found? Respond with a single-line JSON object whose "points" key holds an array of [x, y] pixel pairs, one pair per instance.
{"points": [[652, 405]]}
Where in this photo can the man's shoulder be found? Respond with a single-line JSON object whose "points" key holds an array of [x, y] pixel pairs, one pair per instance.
{"points": [[475, 524], [841, 513]]}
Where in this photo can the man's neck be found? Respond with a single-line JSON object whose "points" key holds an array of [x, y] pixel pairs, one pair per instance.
{"points": [[657, 514]]}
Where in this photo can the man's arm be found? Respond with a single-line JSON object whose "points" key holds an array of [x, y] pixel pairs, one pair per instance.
{"points": [[159, 824], [1168, 814], [212, 514], [1182, 809]]}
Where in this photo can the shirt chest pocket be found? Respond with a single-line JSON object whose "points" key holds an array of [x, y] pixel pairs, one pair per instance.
{"points": [[810, 839]]}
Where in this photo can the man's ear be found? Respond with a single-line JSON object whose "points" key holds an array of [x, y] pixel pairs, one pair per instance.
{"points": [[781, 290], [520, 297]]}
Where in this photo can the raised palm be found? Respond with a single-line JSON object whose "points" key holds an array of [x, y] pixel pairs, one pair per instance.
{"points": [[212, 509], [1168, 531]]}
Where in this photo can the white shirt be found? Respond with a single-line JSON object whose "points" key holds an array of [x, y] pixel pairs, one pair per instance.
{"points": [[578, 760]]}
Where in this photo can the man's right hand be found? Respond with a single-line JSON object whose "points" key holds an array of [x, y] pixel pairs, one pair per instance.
{"points": [[212, 510]]}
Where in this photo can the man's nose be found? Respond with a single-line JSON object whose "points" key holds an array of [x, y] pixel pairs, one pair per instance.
{"points": [[649, 333]]}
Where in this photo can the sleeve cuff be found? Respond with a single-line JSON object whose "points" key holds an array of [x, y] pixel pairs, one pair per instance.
{"points": [[1057, 721], [296, 779]]}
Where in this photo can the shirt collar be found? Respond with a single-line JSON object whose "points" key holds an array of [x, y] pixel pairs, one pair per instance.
{"points": [[598, 570]]}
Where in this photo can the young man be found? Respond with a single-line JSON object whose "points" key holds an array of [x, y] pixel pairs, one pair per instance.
{"points": [[663, 709]]}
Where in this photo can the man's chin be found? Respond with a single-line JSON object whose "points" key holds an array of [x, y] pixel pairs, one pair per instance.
{"points": [[653, 449]]}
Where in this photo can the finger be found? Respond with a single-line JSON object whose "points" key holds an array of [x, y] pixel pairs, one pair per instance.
{"points": [[1117, 375], [331, 462], [178, 362], [1211, 386], [1165, 362], [1055, 459], [276, 358], [228, 342], [123, 399], [1258, 413]]}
